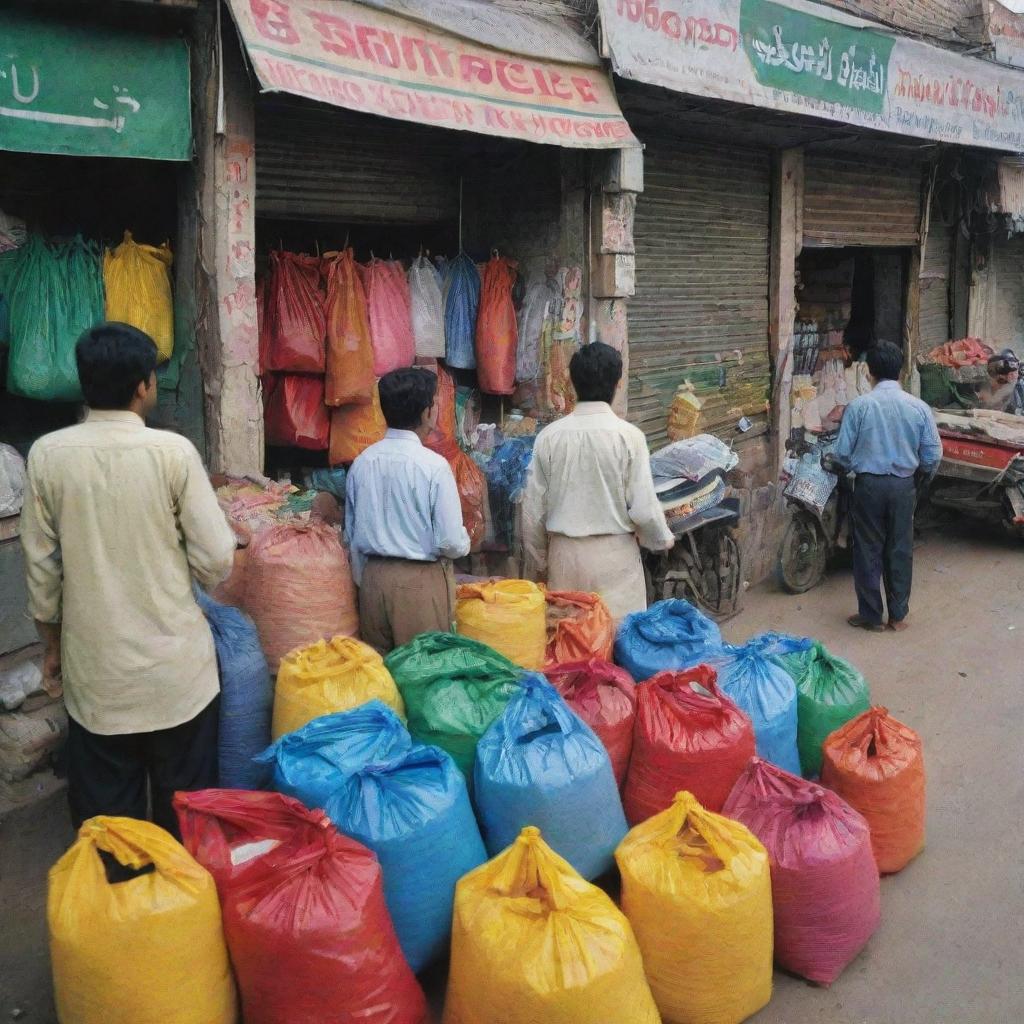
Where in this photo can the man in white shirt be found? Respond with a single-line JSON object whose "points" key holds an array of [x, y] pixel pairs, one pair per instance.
{"points": [[118, 521], [403, 520], [590, 501]]}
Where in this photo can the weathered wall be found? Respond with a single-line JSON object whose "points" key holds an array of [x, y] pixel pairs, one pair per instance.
{"points": [[950, 21]]}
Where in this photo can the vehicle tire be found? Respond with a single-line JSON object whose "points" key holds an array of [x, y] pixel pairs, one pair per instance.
{"points": [[803, 557], [718, 590]]}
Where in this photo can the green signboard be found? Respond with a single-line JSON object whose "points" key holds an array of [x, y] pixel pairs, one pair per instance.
{"points": [[816, 57], [92, 91]]}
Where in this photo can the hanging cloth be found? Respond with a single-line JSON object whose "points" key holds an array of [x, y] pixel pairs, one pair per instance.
{"points": [[390, 310], [496, 332], [350, 377], [461, 302], [427, 309]]}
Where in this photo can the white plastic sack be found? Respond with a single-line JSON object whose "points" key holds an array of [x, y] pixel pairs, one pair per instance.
{"points": [[537, 302], [427, 309], [12, 481], [693, 458], [17, 683]]}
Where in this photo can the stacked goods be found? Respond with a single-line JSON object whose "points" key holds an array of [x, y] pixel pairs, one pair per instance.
{"points": [[413, 811], [33, 721], [687, 737], [470, 480], [306, 925], [299, 588], [876, 765], [604, 696], [532, 941], [696, 889], [142, 951], [390, 312], [540, 764], [507, 615], [137, 280], [497, 333], [350, 379], [328, 676], [579, 627], [461, 301], [354, 428], [825, 887], [669, 636]]}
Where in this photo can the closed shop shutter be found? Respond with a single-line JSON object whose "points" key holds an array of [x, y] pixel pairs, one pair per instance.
{"points": [[1005, 321], [935, 278], [700, 312]]}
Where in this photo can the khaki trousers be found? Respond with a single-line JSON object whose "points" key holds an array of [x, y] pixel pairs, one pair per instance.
{"points": [[608, 565], [399, 599]]}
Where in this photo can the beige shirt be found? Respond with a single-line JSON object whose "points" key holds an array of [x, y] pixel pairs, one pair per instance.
{"points": [[118, 519], [591, 476]]}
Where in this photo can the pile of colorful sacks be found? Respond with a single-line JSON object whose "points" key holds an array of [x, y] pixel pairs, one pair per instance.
{"points": [[459, 798]]}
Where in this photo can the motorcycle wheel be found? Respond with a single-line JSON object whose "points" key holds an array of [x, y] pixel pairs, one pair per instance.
{"points": [[803, 557], [710, 577]]}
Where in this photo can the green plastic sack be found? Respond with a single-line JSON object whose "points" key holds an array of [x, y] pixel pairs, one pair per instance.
{"points": [[453, 688], [829, 692]]}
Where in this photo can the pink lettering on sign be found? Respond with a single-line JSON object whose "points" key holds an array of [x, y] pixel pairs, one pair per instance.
{"points": [[274, 21], [336, 34], [695, 30]]}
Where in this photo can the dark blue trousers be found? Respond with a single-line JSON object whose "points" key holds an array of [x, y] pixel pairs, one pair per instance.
{"points": [[883, 545]]}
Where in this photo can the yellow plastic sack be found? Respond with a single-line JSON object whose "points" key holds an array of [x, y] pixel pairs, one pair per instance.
{"points": [[532, 941], [146, 951], [330, 675], [697, 890], [137, 280], [508, 615]]}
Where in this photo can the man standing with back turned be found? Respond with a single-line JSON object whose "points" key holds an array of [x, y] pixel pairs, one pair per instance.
{"points": [[118, 520], [887, 438]]}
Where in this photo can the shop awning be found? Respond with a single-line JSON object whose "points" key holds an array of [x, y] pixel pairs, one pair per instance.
{"points": [[455, 68], [87, 90], [803, 58]]}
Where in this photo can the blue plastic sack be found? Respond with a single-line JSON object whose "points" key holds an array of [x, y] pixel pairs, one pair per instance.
{"points": [[330, 480], [246, 694], [773, 644], [540, 764], [313, 762], [767, 693], [506, 478], [669, 636], [413, 811], [461, 302]]}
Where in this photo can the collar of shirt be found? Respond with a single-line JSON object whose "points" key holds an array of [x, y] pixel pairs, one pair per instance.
{"points": [[591, 408], [888, 385], [403, 435], [114, 416]]}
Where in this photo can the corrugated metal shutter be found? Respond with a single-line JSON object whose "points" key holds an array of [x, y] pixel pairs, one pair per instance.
{"points": [[701, 307], [1005, 322], [860, 199], [935, 274]]}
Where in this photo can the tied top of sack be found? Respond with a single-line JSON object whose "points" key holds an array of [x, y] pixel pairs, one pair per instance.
{"points": [[670, 635]]}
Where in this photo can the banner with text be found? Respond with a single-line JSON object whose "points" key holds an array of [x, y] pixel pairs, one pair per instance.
{"points": [[787, 56], [365, 59]]}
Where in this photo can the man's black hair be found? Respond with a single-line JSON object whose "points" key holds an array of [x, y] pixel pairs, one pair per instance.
{"points": [[885, 361], [113, 359], [595, 371], [405, 395]]}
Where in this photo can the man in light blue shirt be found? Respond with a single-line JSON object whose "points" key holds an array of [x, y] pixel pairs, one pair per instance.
{"points": [[403, 519], [887, 438]]}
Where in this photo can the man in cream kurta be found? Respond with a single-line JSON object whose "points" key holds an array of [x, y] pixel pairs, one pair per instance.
{"points": [[118, 520], [590, 502]]}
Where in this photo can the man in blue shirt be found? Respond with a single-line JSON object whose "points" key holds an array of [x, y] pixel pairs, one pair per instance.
{"points": [[403, 519], [887, 438]]}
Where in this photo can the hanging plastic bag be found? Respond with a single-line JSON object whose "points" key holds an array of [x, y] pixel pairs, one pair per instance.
{"points": [[413, 811], [329, 676], [137, 280], [445, 402], [299, 588], [829, 692], [697, 890], [146, 951], [508, 616], [669, 636], [825, 888], [295, 314], [579, 627], [427, 308], [604, 696], [876, 765], [461, 303], [309, 934], [541, 764], [390, 311], [506, 481], [295, 414], [354, 428], [246, 694], [532, 942], [453, 688], [496, 331], [350, 378], [688, 736], [539, 299], [469, 479]]}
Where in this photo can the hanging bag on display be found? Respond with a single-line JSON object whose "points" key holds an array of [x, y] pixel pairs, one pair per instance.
{"points": [[350, 377], [496, 332], [295, 414], [390, 311], [461, 303], [354, 428], [427, 308], [295, 314], [668, 636], [137, 279], [470, 480]]}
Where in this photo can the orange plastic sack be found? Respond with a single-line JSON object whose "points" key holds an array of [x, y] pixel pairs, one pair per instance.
{"points": [[350, 378], [497, 333], [876, 765], [579, 627], [354, 428], [299, 588], [446, 421], [295, 316], [470, 480], [389, 306], [295, 414]]}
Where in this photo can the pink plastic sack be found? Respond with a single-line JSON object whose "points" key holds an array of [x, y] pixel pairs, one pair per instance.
{"points": [[825, 887], [390, 308], [294, 314]]}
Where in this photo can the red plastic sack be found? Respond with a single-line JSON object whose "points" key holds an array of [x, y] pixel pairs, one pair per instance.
{"points": [[469, 478], [825, 887], [298, 588], [497, 333], [350, 378], [295, 318], [604, 696], [295, 414], [685, 739], [579, 627], [390, 309], [876, 765], [309, 934]]}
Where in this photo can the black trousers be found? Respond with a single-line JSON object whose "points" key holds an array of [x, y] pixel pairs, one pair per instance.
{"points": [[122, 775], [883, 545]]}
